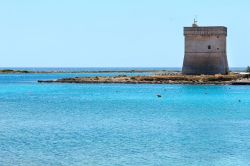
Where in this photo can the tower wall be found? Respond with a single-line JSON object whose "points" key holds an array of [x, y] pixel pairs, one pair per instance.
{"points": [[205, 50]]}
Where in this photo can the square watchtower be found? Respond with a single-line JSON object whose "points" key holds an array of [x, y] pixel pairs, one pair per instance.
{"points": [[205, 50]]}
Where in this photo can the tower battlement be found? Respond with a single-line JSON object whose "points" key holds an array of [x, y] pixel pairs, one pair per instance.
{"points": [[209, 30]]}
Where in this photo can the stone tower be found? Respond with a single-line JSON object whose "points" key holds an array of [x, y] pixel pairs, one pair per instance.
{"points": [[205, 50]]}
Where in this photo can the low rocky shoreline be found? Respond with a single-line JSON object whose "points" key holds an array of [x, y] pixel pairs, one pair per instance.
{"points": [[231, 79]]}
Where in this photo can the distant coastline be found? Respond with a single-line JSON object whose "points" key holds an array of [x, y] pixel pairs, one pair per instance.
{"points": [[58, 70], [11, 71]]}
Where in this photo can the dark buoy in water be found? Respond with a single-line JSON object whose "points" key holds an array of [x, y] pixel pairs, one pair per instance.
{"points": [[158, 95]]}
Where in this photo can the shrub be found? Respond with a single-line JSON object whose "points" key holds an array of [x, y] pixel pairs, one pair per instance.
{"points": [[248, 69], [132, 78]]}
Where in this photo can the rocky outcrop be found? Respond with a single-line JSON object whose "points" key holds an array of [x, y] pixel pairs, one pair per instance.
{"points": [[165, 79]]}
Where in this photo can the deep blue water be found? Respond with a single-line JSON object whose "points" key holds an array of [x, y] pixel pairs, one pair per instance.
{"points": [[121, 125]]}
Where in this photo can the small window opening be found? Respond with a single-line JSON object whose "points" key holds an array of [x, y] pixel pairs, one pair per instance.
{"points": [[209, 47], [217, 48], [218, 36]]}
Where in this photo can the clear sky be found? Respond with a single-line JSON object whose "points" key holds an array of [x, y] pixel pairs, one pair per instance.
{"points": [[114, 33]]}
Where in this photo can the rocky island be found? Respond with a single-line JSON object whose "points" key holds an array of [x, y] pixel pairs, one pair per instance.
{"points": [[10, 71], [232, 78]]}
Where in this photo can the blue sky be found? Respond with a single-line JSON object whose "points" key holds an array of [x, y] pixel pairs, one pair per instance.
{"points": [[114, 33]]}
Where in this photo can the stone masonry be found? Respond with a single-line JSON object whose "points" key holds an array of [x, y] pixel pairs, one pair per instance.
{"points": [[205, 50]]}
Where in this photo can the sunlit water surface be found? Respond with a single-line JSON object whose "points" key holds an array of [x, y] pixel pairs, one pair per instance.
{"points": [[123, 125]]}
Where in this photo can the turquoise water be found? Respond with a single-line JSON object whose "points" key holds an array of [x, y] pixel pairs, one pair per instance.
{"points": [[122, 125]]}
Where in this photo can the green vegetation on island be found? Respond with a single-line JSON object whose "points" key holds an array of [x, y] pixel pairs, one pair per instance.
{"points": [[10, 71]]}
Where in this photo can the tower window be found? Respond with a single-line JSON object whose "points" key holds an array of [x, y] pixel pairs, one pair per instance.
{"points": [[209, 47], [217, 48]]}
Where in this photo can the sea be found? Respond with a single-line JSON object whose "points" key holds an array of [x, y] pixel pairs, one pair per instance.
{"points": [[45, 124]]}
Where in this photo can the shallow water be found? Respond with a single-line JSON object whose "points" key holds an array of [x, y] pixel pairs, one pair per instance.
{"points": [[125, 125]]}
